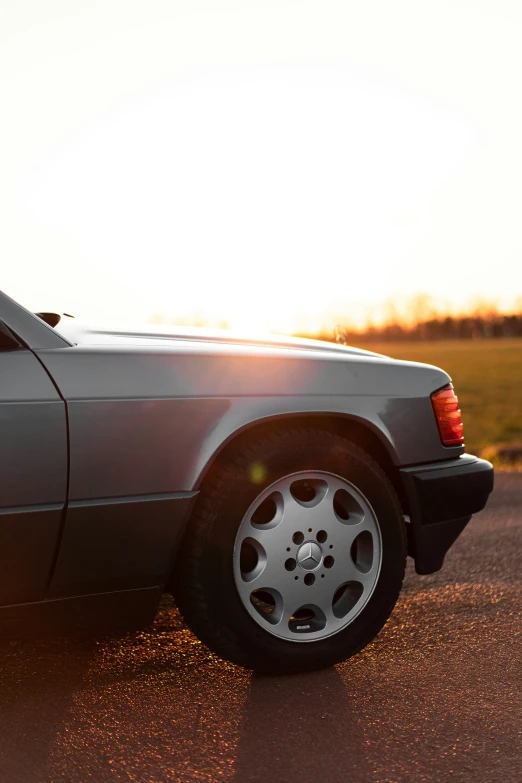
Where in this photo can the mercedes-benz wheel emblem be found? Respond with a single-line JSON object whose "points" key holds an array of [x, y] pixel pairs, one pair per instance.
{"points": [[310, 556]]}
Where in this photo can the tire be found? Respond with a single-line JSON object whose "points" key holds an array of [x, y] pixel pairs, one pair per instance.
{"points": [[211, 571]]}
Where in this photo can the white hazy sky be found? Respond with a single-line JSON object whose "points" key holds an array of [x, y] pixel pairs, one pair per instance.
{"points": [[273, 164]]}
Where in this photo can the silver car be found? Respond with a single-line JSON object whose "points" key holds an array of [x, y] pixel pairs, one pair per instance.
{"points": [[274, 487]]}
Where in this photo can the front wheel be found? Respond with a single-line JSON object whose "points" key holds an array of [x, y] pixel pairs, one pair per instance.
{"points": [[296, 553]]}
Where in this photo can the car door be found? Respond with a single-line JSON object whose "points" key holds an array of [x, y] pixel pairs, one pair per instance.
{"points": [[33, 470]]}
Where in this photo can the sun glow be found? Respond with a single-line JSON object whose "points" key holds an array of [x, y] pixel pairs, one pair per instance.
{"points": [[256, 173]]}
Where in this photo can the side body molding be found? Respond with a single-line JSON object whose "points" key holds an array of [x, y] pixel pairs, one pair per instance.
{"points": [[112, 544]]}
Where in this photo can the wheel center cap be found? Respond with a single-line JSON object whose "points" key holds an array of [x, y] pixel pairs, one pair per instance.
{"points": [[310, 556]]}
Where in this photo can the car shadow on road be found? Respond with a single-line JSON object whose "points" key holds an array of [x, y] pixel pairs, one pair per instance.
{"points": [[300, 728], [157, 705]]}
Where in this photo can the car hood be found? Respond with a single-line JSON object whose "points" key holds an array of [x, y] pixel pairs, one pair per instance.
{"points": [[83, 333]]}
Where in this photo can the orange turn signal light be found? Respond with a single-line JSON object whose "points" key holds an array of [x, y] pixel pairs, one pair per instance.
{"points": [[449, 416]]}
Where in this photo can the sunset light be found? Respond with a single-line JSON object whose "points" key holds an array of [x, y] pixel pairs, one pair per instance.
{"points": [[231, 179]]}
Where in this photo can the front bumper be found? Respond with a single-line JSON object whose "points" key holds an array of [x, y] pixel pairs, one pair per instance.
{"points": [[441, 500]]}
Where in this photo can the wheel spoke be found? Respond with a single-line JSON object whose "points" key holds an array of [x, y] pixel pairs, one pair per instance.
{"points": [[270, 576], [302, 517], [271, 540], [342, 537], [292, 602]]}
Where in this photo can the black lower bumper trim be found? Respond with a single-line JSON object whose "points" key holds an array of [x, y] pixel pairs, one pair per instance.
{"points": [[442, 498], [428, 545]]}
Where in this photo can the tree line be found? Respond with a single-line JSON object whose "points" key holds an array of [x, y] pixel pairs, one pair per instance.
{"points": [[476, 327]]}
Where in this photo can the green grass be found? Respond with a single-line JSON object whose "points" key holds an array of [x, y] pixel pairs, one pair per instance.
{"points": [[487, 375]]}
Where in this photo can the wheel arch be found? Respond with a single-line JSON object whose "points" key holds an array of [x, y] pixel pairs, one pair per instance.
{"points": [[360, 431]]}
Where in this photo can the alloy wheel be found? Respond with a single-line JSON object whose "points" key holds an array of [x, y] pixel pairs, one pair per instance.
{"points": [[307, 556]]}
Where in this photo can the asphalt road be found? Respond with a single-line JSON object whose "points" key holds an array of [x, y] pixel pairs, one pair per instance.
{"points": [[436, 697]]}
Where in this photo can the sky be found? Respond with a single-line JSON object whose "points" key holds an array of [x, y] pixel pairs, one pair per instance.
{"points": [[263, 164]]}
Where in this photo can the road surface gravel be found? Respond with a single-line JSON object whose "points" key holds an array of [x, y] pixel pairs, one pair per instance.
{"points": [[436, 697]]}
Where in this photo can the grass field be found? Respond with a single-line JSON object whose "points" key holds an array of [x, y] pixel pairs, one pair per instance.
{"points": [[487, 375]]}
